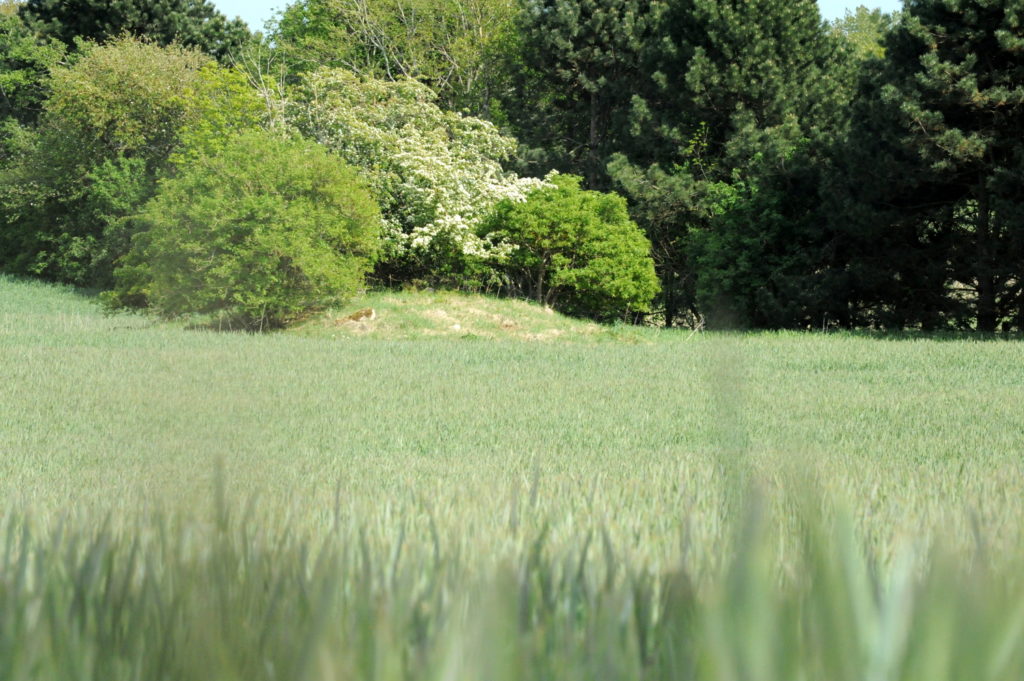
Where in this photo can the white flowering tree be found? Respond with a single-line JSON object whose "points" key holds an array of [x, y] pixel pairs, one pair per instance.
{"points": [[436, 174]]}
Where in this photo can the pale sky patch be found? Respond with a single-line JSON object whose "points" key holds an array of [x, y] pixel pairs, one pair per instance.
{"points": [[256, 12]]}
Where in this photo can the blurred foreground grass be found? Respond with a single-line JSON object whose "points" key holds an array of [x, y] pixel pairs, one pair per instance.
{"points": [[159, 600], [764, 506]]}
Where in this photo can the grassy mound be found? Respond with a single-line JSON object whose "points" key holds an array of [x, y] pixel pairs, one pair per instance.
{"points": [[395, 315]]}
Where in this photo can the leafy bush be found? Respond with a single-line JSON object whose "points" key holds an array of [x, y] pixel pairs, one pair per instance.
{"points": [[261, 232], [575, 250], [115, 121], [25, 63], [435, 173]]}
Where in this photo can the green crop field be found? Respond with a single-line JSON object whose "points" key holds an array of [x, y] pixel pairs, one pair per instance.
{"points": [[486, 491]]}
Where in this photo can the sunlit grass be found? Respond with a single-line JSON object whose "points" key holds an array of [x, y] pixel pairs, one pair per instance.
{"points": [[504, 509], [444, 314]]}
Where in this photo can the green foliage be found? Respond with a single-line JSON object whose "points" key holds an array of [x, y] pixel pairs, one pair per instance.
{"points": [[575, 250], [789, 173], [128, 98], [745, 102], [223, 103], [260, 232], [25, 62], [678, 104], [450, 45], [761, 246], [667, 203], [113, 121], [938, 155], [190, 23], [435, 173], [865, 30], [580, 62]]}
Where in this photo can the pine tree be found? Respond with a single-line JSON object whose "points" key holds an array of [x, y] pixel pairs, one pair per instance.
{"points": [[944, 116], [191, 23], [575, 68], [746, 97]]}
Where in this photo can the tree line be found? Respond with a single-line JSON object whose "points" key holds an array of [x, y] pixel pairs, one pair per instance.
{"points": [[735, 163]]}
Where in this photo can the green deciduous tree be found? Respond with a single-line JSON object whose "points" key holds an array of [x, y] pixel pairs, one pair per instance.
{"points": [[113, 122], [192, 23], [865, 30], [450, 45], [435, 173], [575, 250], [25, 62], [261, 231]]}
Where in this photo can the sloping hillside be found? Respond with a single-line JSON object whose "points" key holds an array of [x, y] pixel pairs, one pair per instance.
{"points": [[389, 315], [431, 314]]}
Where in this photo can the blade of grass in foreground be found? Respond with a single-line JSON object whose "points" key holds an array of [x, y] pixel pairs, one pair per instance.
{"points": [[180, 600]]}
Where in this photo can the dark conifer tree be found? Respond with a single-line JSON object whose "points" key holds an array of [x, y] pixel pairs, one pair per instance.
{"points": [[575, 69], [942, 119], [745, 99], [192, 23]]}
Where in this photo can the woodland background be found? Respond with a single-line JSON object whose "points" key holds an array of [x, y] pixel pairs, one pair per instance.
{"points": [[786, 172]]}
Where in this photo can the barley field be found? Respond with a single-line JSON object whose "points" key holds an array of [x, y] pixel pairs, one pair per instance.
{"points": [[520, 497]]}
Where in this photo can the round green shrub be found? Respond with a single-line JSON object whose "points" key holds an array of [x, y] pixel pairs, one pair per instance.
{"points": [[262, 231], [575, 250]]}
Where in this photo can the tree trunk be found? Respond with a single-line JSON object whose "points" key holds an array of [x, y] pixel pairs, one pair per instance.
{"points": [[540, 281], [671, 306], [987, 316], [592, 160]]}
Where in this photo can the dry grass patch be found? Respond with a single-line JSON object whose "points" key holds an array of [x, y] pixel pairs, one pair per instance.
{"points": [[433, 314]]}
